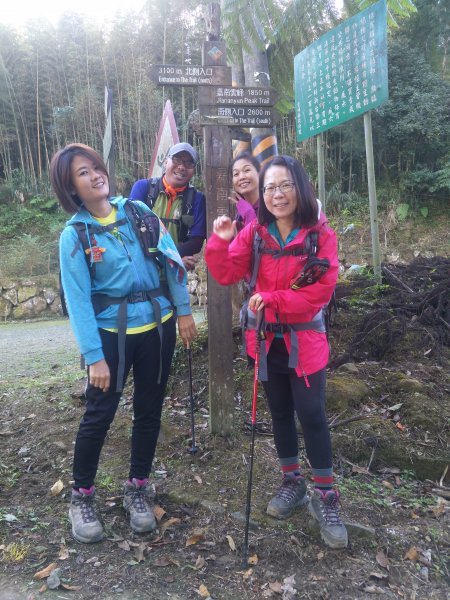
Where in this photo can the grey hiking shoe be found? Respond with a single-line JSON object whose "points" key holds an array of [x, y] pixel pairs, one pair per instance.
{"points": [[86, 527], [137, 502], [324, 507], [292, 494]]}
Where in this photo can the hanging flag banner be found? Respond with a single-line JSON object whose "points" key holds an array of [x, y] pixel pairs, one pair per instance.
{"points": [[342, 74], [167, 137]]}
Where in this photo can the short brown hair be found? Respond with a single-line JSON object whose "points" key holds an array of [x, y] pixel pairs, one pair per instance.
{"points": [[59, 173]]}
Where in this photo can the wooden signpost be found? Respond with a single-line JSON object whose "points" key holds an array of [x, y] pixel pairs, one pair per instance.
{"points": [[220, 106]]}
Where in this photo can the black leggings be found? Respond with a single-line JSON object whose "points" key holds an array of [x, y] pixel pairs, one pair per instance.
{"points": [[287, 392], [142, 352]]}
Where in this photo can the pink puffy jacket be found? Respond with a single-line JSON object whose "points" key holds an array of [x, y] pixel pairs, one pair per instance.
{"points": [[229, 262]]}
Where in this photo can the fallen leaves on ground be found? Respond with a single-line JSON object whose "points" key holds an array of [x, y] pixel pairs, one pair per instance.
{"points": [[57, 488], [46, 571], [231, 543], [203, 591], [195, 538], [383, 560], [169, 523], [159, 512]]}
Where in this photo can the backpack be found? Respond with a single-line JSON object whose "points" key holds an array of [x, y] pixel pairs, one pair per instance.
{"points": [[187, 218], [313, 269]]}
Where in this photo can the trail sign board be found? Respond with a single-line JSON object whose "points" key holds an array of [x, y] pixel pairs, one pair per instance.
{"points": [[243, 96], [242, 116], [342, 74], [190, 75]]}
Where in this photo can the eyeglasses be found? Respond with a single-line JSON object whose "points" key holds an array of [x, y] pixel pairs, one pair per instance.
{"points": [[189, 164], [287, 186]]}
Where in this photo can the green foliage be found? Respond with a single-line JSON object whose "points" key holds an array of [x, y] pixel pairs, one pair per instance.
{"points": [[28, 255], [396, 9], [106, 482], [19, 219], [45, 204], [350, 204], [402, 211]]}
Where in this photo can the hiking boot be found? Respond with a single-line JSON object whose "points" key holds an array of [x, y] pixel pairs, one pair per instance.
{"points": [[86, 527], [137, 502], [324, 507], [292, 493]]}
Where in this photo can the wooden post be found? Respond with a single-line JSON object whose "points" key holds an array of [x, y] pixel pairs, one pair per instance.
{"points": [[217, 146], [376, 253], [321, 168]]}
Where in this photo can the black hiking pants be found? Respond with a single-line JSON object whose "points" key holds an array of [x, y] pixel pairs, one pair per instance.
{"points": [[287, 394], [142, 352]]}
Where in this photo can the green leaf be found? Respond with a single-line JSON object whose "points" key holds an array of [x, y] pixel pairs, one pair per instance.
{"points": [[402, 211], [424, 211]]}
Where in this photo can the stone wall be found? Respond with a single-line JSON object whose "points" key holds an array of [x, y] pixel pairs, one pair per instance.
{"points": [[39, 296], [29, 298]]}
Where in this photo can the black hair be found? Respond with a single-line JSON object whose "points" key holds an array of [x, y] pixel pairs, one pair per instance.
{"points": [[307, 208], [246, 155], [60, 173]]}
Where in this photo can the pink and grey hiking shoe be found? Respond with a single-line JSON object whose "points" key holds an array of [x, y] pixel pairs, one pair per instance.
{"points": [[291, 494], [137, 501], [86, 527], [324, 507]]}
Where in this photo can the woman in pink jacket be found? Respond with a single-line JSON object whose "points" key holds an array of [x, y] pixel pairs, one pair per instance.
{"points": [[245, 195], [295, 351]]}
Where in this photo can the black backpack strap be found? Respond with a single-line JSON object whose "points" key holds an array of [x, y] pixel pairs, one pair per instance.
{"points": [[187, 209], [146, 227], [153, 189], [257, 252], [85, 243], [188, 200]]}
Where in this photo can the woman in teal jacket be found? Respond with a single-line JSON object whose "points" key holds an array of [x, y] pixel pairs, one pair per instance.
{"points": [[121, 317]]}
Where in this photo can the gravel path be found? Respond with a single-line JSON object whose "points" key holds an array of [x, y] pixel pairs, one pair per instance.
{"points": [[36, 347], [26, 347]]}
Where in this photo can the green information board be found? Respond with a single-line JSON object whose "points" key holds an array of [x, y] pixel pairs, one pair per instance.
{"points": [[342, 74]]}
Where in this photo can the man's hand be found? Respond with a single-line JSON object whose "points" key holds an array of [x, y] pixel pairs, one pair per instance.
{"points": [[187, 328], [99, 375], [190, 262]]}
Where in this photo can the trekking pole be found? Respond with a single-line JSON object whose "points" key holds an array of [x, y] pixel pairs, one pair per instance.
{"points": [[193, 449], [259, 322]]}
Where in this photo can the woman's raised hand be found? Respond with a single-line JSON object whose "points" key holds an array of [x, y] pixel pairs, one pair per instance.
{"points": [[234, 198], [224, 227]]}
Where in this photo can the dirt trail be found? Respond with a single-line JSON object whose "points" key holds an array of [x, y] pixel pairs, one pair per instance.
{"points": [[27, 348], [395, 522]]}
